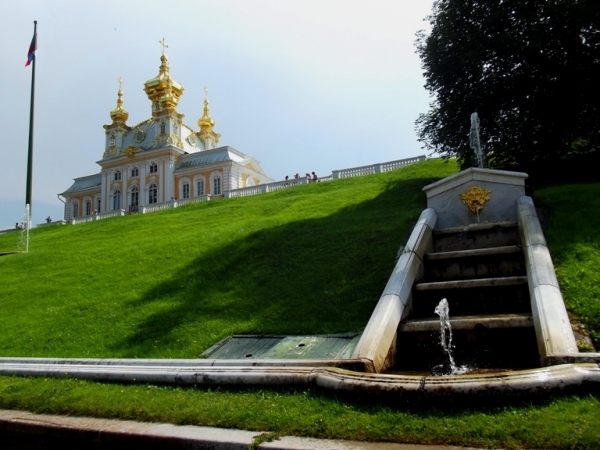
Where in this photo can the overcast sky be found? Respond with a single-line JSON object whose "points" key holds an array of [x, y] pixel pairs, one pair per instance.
{"points": [[300, 85]]}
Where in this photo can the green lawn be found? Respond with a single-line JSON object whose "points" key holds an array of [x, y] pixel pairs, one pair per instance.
{"points": [[309, 259]]}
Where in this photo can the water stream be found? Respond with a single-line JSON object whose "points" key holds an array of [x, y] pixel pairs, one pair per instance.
{"points": [[448, 367]]}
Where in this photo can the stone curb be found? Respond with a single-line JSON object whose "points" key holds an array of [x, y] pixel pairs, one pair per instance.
{"points": [[22, 429]]}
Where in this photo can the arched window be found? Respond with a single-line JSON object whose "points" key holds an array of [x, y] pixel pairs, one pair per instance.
{"points": [[135, 196], [88, 207], [163, 128], [200, 187], [184, 187], [217, 186], [117, 199], [117, 175], [134, 172], [113, 140], [75, 209], [153, 168], [98, 204], [152, 194]]}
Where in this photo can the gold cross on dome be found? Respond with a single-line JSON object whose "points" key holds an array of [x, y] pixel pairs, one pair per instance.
{"points": [[164, 45], [120, 81], [205, 92]]}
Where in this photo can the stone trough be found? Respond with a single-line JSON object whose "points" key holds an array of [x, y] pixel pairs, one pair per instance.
{"points": [[479, 243]]}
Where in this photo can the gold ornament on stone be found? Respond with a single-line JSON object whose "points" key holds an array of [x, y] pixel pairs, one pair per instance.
{"points": [[130, 151], [475, 198]]}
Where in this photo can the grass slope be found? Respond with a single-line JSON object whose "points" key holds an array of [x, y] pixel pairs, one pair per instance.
{"points": [[311, 259]]}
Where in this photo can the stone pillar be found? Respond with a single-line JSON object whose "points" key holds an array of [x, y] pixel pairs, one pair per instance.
{"points": [[142, 186], [103, 190], [124, 193], [168, 177]]}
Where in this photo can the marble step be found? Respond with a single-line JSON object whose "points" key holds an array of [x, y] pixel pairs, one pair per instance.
{"points": [[523, 320], [490, 251], [473, 283], [476, 236]]}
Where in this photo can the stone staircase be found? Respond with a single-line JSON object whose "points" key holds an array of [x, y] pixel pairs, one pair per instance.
{"points": [[481, 271]]}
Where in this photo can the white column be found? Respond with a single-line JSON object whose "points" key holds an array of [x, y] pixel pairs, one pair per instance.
{"points": [[124, 193], [106, 205], [142, 196], [102, 192], [161, 181], [169, 179]]}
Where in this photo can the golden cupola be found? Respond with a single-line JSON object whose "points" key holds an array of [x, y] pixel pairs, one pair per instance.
{"points": [[119, 115], [206, 123], [162, 90]]}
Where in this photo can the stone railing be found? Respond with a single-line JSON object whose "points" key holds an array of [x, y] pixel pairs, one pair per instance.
{"points": [[172, 204], [104, 215], [376, 168], [262, 188]]}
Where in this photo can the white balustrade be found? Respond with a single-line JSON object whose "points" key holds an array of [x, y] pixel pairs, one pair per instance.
{"points": [[262, 188]]}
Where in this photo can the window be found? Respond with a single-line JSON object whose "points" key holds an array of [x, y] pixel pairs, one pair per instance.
{"points": [[185, 191], [134, 172], [153, 168], [98, 204], [75, 209], [200, 188], [217, 186], [117, 175], [113, 140], [117, 199], [88, 207], [163, 128], [135, 196], [152, 191]]}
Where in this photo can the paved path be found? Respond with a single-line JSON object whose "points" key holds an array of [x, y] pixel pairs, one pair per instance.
{"points": [[24, 430]]}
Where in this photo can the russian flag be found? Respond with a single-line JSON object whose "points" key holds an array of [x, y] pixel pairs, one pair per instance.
{"points": [[32, 49]]}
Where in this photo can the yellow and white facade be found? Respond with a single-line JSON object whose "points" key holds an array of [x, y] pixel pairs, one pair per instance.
{"points": [[160, 159]]}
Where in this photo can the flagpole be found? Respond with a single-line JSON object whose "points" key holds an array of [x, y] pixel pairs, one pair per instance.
{"points": [[30, 149]]}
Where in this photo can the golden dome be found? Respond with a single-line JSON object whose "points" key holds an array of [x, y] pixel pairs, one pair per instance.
{"points": [[206, 122], [207, 134], [119, 114], [162, 90]]}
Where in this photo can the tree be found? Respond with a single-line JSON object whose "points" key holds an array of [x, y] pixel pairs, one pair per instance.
{"points": [[529, 68]]}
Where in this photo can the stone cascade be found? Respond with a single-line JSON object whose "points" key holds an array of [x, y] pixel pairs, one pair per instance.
{"points": [[481, 271]]}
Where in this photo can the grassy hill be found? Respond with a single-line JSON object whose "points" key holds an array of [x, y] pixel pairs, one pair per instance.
{"points": [[308, 259]]}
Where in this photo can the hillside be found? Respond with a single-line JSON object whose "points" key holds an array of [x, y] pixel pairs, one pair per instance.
{"points": [[308, 259]]}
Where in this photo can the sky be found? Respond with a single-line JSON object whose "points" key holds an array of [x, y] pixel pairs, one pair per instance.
{"points": [[300, 85]]}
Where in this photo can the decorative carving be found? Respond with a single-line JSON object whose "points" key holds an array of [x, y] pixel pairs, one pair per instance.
{"points": [[192, 139], [165, 140], [130, 151], [475, 198], [113, 150], [139, 135]]}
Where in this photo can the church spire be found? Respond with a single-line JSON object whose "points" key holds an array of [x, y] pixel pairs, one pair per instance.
{"points": [[119, 115], [162, 90], [207, 134]]}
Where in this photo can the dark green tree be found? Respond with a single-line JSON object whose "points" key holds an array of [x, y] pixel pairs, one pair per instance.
{"points": [[529, 68]]}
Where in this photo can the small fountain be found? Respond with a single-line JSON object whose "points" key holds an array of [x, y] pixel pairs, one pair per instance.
{"points": [[448, 367], [474, 141], [24, 235]]}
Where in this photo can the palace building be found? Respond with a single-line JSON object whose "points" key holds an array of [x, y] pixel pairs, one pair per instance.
{"points": [[160, 159]]}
